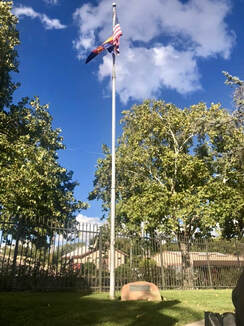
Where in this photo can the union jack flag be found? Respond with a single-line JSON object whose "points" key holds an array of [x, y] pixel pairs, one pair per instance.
{"points": [[117, 32]]}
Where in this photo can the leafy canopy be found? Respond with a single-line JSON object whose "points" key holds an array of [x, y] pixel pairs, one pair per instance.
{"points": [[9, 38], [33, 184], [172, 169]]}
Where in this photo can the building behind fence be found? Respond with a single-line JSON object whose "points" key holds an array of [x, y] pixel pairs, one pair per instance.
{"points": [[78, 257]]}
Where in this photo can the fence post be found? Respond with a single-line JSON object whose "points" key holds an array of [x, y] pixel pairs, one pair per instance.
{"points": [[131, 262], [131, 253], [161, 264], [16, 250], [100, 260], [238, 255], [209, 269]]}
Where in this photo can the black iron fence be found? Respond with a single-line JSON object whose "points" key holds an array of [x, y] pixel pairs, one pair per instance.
{"points": [[50, 257]]}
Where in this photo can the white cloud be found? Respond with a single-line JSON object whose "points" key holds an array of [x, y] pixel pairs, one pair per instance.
{"points": [[142, 72], [193, 29], [25, 11], [46, 21], [82, 219], [51, 23]]}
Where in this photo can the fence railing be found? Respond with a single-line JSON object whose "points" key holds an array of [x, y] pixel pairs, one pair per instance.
{"points": [[46, 257]]}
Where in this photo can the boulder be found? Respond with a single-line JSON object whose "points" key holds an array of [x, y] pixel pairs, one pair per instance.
{"points": [[140, 291]]}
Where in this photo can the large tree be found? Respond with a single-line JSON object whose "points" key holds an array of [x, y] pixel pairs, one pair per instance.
{"points": [[33, 184], [36, 192], [172, 172], [169, 167], [232, 162]]}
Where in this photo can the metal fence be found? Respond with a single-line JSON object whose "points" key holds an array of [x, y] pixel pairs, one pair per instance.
{"points": [[50, 257]]}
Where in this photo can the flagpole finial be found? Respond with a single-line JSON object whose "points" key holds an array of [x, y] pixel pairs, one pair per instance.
{"points": [[114, 4]]}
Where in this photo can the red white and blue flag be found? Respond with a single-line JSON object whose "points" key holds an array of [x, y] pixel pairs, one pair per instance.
{"points": [[111, 44], [117, 32]]}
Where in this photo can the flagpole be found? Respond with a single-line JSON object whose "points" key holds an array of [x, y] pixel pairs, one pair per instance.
{"points": [[112, 222]]}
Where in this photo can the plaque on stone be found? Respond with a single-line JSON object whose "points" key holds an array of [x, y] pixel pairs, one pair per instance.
{"points": [[140, 291], [141, 288]]}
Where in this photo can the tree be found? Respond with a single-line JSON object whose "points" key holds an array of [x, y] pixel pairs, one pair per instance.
{"points": [[169, 170], [233, 161], [9, 38], [33, 183], [228, 202], [36, 192], [164, 168], [238, 95]]}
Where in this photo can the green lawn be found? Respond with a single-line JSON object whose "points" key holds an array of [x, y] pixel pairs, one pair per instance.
{"points": [[73, 309]]}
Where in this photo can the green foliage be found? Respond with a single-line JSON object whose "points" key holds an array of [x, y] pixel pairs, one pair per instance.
{"points": [[234, 225], [176, 170], [88, 269], [9, 38], [33, 184], [138, 268], [102, 237], [34, 187], [232, 246], [239, 90]]}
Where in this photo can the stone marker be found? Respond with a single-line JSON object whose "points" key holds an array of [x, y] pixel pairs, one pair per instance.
{"points": [[140, 291]]}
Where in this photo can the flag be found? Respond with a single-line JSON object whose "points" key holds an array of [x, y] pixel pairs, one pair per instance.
{"points": [[117, 32], [111, 44], [108, 45]]}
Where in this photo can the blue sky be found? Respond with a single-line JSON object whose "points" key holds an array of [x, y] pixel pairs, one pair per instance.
{"points": [[173, 50]]}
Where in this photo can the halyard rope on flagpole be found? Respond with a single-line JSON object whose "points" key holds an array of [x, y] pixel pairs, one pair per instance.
{"points": [[112, 217]]}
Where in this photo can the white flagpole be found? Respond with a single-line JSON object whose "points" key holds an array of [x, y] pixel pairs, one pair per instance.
{"points": [[112, 222]]}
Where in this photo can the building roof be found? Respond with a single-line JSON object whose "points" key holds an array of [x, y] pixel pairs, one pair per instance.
{"points": [[83, 253]]}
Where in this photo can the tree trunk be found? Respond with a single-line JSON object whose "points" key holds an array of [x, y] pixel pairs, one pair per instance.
{"points": [[187, 268], [162, 267]]}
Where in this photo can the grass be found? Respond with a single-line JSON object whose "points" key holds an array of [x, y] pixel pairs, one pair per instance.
{"points": [[73, 309]]}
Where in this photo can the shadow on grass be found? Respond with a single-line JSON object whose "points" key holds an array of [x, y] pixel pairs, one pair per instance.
{"points": [[128, 313], [73, 309]]}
